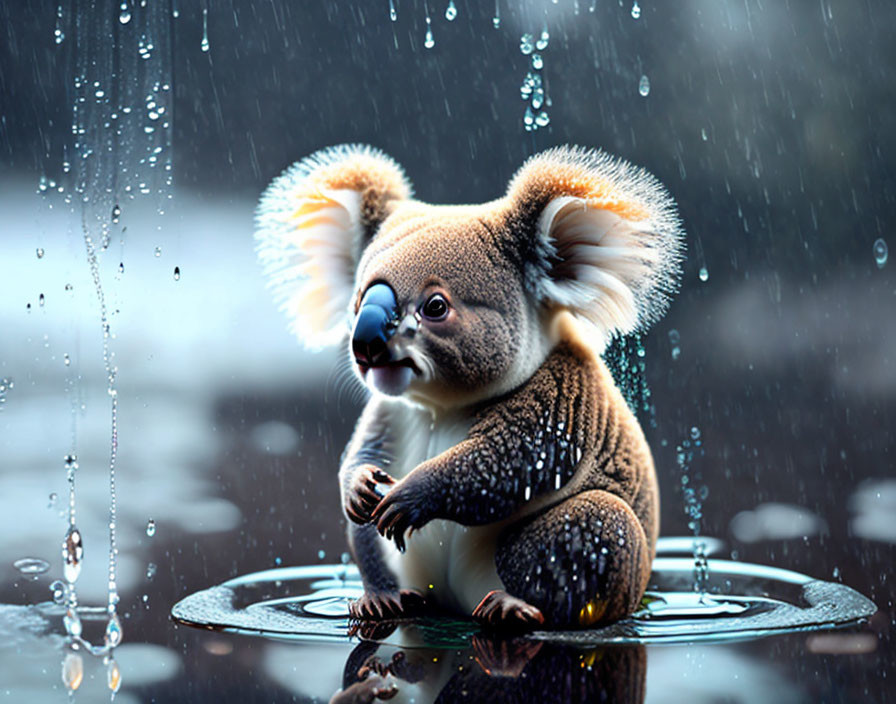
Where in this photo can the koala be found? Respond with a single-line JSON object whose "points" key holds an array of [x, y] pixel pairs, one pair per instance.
{"points": [[496, 470]]}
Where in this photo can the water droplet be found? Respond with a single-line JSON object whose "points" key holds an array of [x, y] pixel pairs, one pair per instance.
{"points": [[543, 40], [204, 45], [881, 252], [40, 252], [151, 570], [429, 42], [72, 554], [703, 274], [72, 622], [345, 558], [703, 135], [158, 251], [177, 273], [51, 501], [41, 299], [121, 267], [59, 590], [125, 15], [537, 62], [527, 45], [113, 675], [151, 527], [451, 11], [31, 566], [116, 213], [113, 634], [71, 464], [542, 119], [321, 554], [67, 360], [69, 288], [58, 34], [73, 669], [695, 433], [393, 15], [644, 86], [636, 10], [528, 117], [496, 20]]}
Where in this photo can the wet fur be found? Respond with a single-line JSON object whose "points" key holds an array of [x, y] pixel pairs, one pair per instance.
{"points": [[519, 466]]}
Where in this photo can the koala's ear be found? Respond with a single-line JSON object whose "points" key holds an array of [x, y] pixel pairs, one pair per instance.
{"points": [[312, 225], [607, 239]]}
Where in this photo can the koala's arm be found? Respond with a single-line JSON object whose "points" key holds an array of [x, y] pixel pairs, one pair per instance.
{"points": [[370, 451], [523, 446]]}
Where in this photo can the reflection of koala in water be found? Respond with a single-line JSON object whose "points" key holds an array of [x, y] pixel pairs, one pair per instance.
{"points": [[519, 486]]}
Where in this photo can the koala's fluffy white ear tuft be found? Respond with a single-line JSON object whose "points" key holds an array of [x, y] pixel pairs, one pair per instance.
{"points": [[608, 239], [312, 224]]}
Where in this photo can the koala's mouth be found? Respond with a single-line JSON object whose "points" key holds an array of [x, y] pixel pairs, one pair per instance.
{"points": [[365, 366], [389, 378]]}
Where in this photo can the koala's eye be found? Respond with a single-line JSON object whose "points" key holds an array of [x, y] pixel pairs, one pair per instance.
{"points": [[436, 307]]}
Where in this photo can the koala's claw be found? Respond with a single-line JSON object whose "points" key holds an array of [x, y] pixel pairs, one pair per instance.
{"points": [[398, 513], [379, 606], [363, 496], [501, 610]]}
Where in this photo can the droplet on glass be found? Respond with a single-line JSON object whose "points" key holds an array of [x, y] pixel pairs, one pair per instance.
{"points": [[72, 554], [644, 86], [636, 10], [703, 274], [881, 252], [451, 11], [151, 527]]}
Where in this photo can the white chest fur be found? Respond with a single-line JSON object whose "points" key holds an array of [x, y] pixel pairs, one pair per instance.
{"points": [[453, 564]]}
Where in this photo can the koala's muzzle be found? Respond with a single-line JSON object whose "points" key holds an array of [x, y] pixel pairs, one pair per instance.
{"points": [[374, 325]]}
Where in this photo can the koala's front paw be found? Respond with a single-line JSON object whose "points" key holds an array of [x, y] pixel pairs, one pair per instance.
{"points": [[362, 496], [405, 508]]}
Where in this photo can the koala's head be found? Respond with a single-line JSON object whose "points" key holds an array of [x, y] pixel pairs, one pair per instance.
{"points": [[448, 305]]}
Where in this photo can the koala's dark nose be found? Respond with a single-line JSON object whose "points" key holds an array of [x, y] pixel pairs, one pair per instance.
{"points": [[374, 325]]}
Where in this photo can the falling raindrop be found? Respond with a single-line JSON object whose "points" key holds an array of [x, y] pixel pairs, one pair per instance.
{"points": [[429, 42], [703, 274], [177, 273], [881, 252], [636, 10], [31, 566], [58, 34], [125, 16], [69, 288], [528, 118], [204, 45], [73, 668], [59, 590], [321, 554], [116, 213], [52, 499], [113, 633], [527, 45], [151, 527], [113, 675], [67, 359], [537, 62], [451, 11], [393, 15], [703, 135], [542, 119], [158, 251], [151, 570], [644, 86], [543, 40], [41, 299], [496, 20], [72, 554], [121, 267], [40, 252]]}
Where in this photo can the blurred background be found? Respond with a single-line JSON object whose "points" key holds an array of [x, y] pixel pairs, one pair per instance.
{"points": [[772, 124]]}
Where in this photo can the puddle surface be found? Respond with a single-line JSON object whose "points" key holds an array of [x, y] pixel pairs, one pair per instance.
{"points": [[743, 600]]}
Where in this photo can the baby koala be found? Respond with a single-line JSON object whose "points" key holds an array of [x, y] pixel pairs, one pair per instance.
{"points": [[496, 470]]}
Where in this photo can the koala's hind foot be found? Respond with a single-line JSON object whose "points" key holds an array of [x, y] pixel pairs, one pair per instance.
{"points": [[499, 610], [387, 605], [584, 562]]}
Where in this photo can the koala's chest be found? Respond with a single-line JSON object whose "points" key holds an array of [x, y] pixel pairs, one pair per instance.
{"points": [[419, 438]]}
